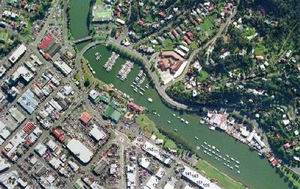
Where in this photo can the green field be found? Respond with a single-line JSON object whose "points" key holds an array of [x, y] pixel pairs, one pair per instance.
{"points": [[149, 128], [203, 75], [4, 36], [104, 14], [260, 50], [223, 180]]}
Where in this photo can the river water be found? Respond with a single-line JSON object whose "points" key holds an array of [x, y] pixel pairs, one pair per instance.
{"points": [[254, 172]]}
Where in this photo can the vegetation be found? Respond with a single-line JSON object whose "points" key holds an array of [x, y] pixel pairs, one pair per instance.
{"points": [[223, 180], [271, 30], [149, 128]]}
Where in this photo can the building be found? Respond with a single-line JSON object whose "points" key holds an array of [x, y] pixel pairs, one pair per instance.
{"points": [[152, 183], [63, 67], [17, 54], [158, 153], [24, 73], [171, 60], [80, 150], [85, 118], [111, 113], [97, 134], [28, 102], [136, 108], [197, 179]]}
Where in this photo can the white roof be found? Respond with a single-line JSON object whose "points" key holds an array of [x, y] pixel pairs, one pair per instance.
{"points": [[152, 182], [80, 150], [93, 94], [97, 134], [198, 179], [171, 184], [17, 53], [40, 149], [63, 67]]}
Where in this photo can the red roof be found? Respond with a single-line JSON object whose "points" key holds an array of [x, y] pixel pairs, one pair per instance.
{"points": [[29, 127], [59, 134], [135, 107], [46, 42], [85, 118]]}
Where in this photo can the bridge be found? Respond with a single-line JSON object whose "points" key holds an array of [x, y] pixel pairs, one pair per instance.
{"points": [[84, 39]]}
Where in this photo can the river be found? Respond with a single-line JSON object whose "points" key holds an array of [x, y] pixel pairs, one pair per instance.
{"points": [[255, 172]]}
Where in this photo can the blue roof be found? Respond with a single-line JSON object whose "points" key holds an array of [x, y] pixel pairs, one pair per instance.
{"points": [[28, 102]]}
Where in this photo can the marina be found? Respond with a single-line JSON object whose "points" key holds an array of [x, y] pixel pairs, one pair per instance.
{"points": [[125, 70], [212, 150], [250, 161], [111, 61]]}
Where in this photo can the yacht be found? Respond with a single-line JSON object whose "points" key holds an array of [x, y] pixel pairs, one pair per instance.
{"points": [[238, 172], [186, 122], [150, 100], [212, 128], [169, 121], [174, 115], [196, 138]]}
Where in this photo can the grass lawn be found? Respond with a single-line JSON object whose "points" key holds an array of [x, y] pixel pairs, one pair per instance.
{"points": [[223, 180], [203, 75], [4, 36], [87, 74], [147, 125], [149, 128], [168, 44], [260, 50], [249, 32]]}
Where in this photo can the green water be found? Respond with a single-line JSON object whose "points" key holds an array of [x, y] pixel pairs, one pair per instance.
{"points": [[78, 14], [255, 172]]}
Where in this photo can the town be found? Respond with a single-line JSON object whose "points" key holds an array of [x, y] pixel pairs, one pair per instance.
{"points": [[146, 94]]}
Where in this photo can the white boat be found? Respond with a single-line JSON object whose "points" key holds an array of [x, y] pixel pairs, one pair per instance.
{"points": [[97, 53], [175, 130], [135, 90], [212, 128], [132, 86], [232, 159], [231, 167], [237, 162], [186, 122], [154, 113], [237, 166], [178, 117], [196, 138], [198, 147], [205, 142], [218, 150], [174, 115], [238, 172], [209, 145], [182, 119], [169, 121], [158, 115], [227, 155], [150, 100], [141, 93], [213, 147]]}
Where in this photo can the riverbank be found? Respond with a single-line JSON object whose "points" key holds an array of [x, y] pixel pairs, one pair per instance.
{"points": [[250, 162]]}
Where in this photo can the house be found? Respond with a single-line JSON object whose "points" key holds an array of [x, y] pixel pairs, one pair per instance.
{"points": [[85, 118]]}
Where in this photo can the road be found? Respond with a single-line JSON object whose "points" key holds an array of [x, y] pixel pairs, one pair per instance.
{"points": [[222, 29]]}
